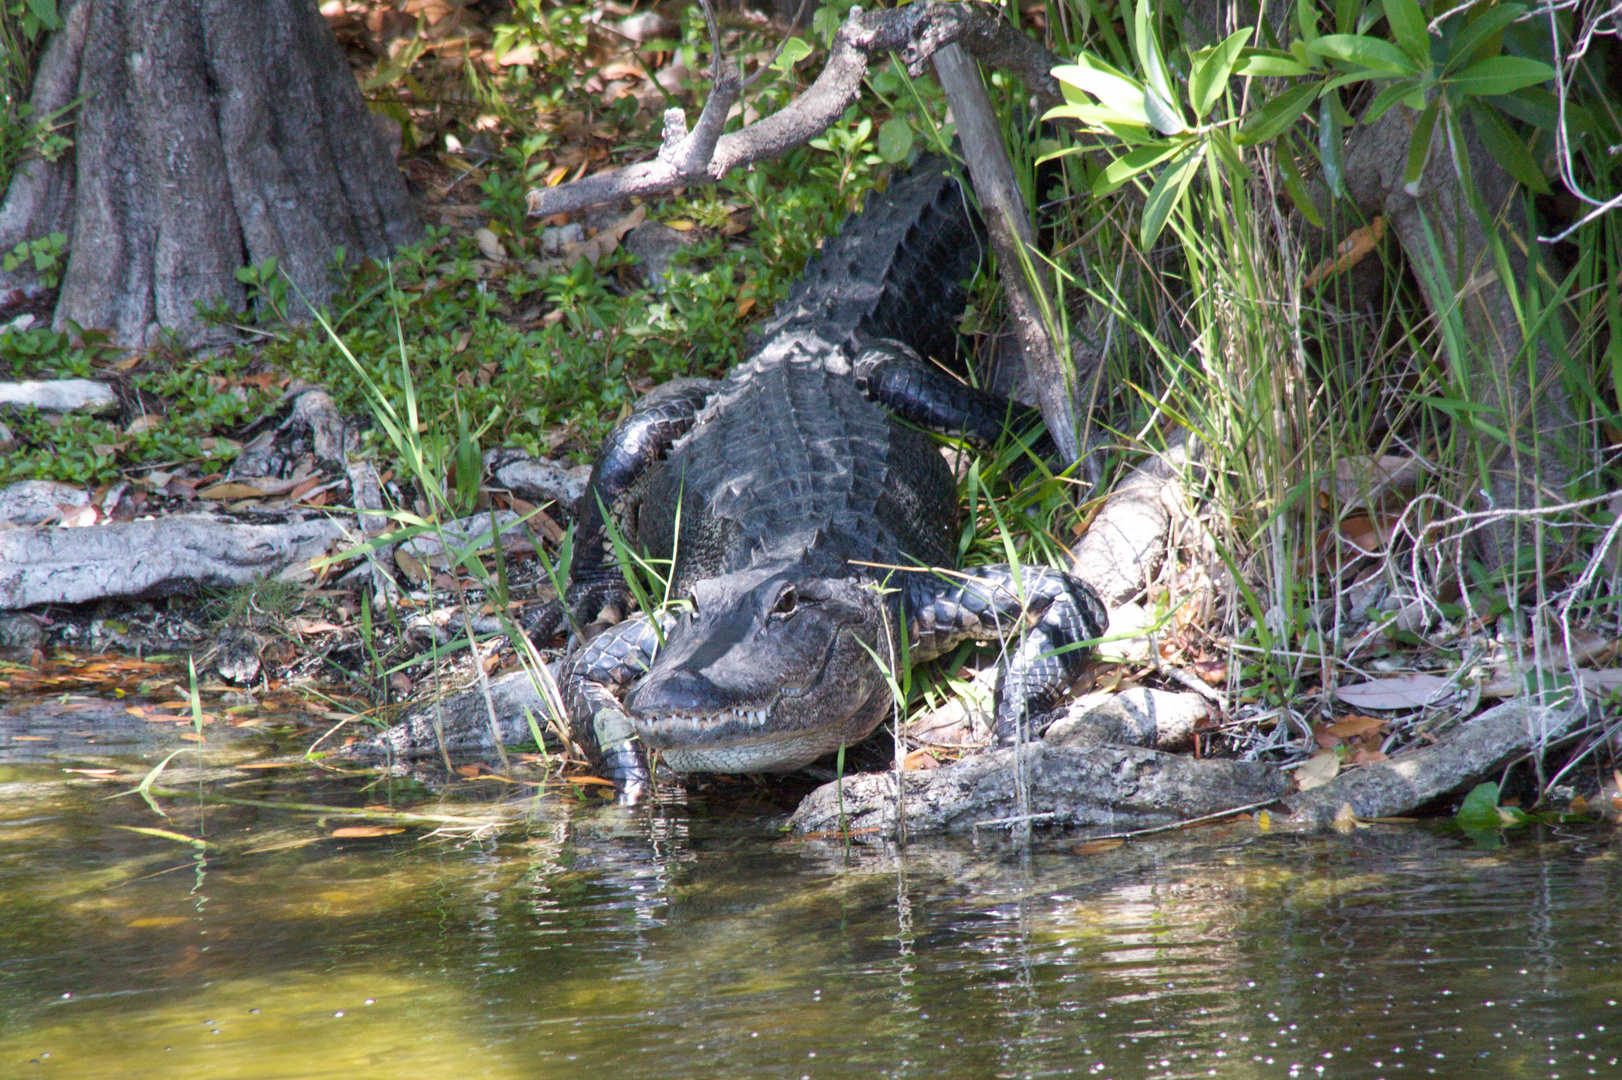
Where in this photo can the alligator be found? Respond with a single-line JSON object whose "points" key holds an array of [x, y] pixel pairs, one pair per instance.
{"points": [[808, 520]]}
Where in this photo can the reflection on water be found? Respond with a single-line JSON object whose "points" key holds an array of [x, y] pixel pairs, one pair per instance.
{"points": [[699, 940]]}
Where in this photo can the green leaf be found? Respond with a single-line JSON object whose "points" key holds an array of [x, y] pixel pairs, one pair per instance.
{"points": [[1096, 116], [1407, 24], [794, 50], [1508, 149], [45, 12], [1483, 26], [1388, 97], [1228, 154], [1295, 188], [1331, 148], [1168, 192], [1211, 69], [1154, 66], [1277, 115], [1541, 109], [1354, 16], [1365, 51], [1461, 152], [1269, 64], [1500, 75], [1419, 147], [1131, 164], [1306, 19], [1163, 113], [895, 140], [1117, 92]]}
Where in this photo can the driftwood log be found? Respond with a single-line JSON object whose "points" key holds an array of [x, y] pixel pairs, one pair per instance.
{"points": [[52, 565], [1123, 787]]}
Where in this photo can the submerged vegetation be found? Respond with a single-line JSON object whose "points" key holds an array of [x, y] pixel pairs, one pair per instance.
{"points": [[1344, 517]]}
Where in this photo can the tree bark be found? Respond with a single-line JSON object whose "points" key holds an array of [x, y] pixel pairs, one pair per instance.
{"points": [[1517, 381], [210, 135]]}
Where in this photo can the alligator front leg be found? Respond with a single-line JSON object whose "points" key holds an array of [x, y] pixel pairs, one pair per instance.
{"points": [[597, 592], [591, 682], [1058, 613]]}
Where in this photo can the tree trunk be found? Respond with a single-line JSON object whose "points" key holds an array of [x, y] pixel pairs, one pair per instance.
{"points": [[1516, 381], [210, 135]]}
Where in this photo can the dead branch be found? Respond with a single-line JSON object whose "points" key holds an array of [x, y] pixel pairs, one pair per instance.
{"points": [[914, 32]]}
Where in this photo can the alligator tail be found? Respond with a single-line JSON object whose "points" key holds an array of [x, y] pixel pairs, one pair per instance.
{"points": [[896, 270]]}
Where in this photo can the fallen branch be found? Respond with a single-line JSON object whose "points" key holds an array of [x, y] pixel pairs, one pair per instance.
{"points": [[915, 32]]}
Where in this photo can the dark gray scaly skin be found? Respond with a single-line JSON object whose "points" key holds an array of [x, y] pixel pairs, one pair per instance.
{"points": [[774, 489]]}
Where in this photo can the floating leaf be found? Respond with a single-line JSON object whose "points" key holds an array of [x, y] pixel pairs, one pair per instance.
{"points": [[368, 830]]}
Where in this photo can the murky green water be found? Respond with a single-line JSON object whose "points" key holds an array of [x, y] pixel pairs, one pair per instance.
{"points": [[699, 941]]}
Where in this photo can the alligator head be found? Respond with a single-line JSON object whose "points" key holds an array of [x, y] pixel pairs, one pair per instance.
{"points": [[769, 670]]}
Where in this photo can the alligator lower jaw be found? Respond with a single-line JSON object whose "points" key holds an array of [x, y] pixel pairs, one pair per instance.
{"points": [[735, 741]]}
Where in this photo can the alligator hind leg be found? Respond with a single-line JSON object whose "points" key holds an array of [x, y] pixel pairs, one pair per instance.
{"points": [[591, 681], [597, 592], [1058, 613]]}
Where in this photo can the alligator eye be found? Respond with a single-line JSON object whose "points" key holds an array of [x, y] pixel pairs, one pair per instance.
{"points": [[787, 601]]}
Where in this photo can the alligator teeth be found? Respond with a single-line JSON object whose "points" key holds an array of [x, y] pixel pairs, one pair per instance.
{"points": [[755, 717]]}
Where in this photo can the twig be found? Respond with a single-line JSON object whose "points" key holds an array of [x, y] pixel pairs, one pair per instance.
{"points": [[1176, 825], [916, 32], [1008, 225]]}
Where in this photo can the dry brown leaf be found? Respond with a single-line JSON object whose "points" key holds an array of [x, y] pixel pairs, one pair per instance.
{"points": [[1348, 726], [490, 244], [232, 490], [585, 781], [920, 759], [1359, 481], [1396, 692], [368, 830], [1349, 252], [1345, 820], [1318, 770]]}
